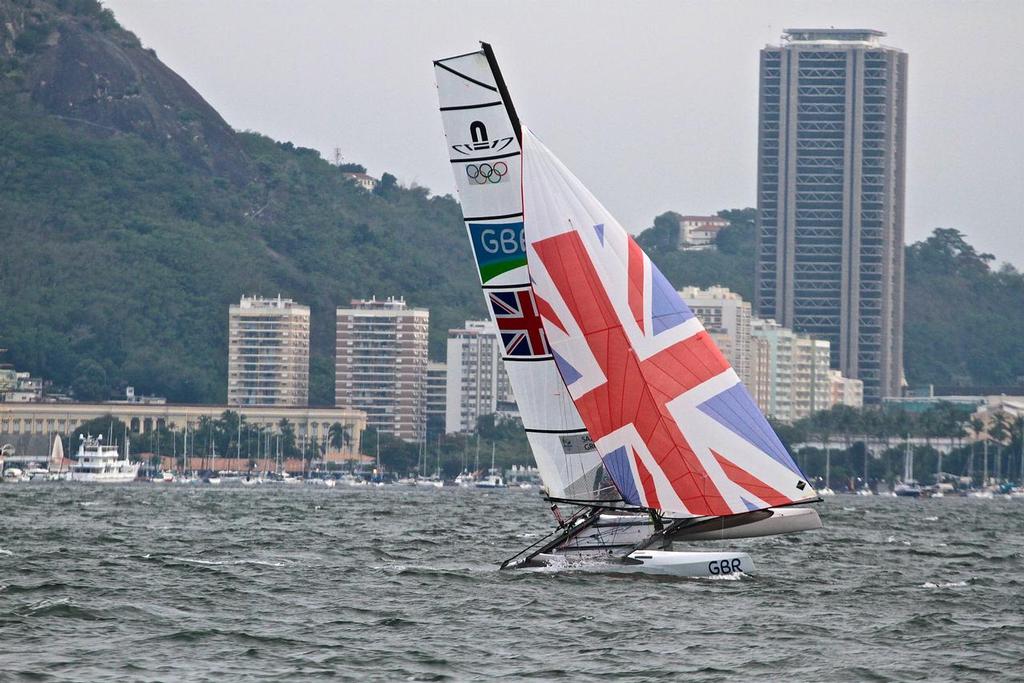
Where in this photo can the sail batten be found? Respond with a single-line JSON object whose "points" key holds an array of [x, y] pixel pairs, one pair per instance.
{"points": [[678, 429]]}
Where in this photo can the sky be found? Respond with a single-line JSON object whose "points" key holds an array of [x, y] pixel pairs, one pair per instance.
{"points": [[652, 104]]}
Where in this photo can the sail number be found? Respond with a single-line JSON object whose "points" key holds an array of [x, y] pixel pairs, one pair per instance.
{"points": [[503, 241], [717, 567]]}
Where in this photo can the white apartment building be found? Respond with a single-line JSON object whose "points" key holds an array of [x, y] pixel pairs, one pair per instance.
{"points": [[268, 352], [381, 365], [846, 391], [726, 317], [791, 376], [476, 382]]}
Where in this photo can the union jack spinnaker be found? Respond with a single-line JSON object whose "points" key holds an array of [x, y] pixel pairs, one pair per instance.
{"points": [[678, 431]]}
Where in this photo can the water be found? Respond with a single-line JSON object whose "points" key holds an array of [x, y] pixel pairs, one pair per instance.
{"points": [[161, 582]]}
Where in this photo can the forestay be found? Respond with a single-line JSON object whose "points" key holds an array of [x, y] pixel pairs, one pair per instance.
{"points": [[484, 149], [678, 430]]}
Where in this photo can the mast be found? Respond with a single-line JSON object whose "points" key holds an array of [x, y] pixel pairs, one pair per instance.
{"points": [[828, 466], [503, 91]]}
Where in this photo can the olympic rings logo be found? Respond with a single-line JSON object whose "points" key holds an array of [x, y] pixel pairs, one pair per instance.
{"points": [[487, 173]]}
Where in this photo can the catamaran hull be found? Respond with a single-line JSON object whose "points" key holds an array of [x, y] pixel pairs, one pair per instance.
{"points": [[614, 532], [720, 564], [781, 521]]}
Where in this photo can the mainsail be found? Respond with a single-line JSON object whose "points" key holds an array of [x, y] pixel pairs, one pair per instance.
{"points": [[678, 431], [482, 133]]}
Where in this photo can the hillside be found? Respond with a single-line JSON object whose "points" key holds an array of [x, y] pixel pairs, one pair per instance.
{"points": [[129, 228]]}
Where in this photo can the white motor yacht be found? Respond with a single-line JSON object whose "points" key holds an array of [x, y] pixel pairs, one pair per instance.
{"points": [[101, 463]]}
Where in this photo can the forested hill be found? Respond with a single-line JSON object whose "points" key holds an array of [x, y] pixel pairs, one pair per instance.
{"points": [[132, 216], [964, 321]]}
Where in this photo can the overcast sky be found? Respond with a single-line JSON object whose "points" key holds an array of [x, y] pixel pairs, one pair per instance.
{"points": [[652, 104]]}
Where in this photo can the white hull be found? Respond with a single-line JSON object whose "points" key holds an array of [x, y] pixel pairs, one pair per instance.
{"points": [[126, 474], [665, 562]]}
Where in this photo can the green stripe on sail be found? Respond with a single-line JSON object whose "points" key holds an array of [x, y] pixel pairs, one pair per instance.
{"points": [[489, 271]]}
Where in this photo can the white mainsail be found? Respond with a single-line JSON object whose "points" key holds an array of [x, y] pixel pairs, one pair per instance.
{"points": [[678, 431], [483, 144], [56, 463]]}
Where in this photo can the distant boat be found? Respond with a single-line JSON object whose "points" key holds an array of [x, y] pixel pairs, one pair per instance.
{"points": [[97, 462], [908, 489], [493, 480]]}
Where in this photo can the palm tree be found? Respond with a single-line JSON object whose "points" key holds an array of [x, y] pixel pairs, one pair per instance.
{"points": [[1000, 433], [287, 436], [340, 436]]}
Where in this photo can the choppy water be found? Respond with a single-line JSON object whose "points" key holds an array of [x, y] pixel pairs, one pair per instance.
{"points": [[156, 582]]}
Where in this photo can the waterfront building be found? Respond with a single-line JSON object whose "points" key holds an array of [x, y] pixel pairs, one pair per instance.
{"points": [[436, 399], [832, 141], [477, 383], [381, 364], [22, 419], [268, 352], [726, 317], [791, 372], [700, 232]]}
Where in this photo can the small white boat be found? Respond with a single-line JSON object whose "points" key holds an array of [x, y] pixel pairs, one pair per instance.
{"points": [[96, 462], [15, 474], [465, 479], [826, 491], [491, 481], [908, 489]]}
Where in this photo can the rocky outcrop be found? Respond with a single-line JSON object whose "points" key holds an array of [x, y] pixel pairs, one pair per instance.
{"points": [[72, 59]]}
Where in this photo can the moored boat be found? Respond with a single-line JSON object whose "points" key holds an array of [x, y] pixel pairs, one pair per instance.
{"points": [[101, 463]]}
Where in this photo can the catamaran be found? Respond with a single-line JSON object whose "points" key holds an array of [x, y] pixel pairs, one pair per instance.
{"points": [[634, 417]]}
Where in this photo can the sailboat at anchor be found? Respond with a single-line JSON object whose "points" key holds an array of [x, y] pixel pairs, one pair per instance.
{"points": [[632, 413]]}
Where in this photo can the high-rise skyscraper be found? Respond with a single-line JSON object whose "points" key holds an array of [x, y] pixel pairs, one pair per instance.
{"points": [[268, 352], [381, 365], [830, 197]]}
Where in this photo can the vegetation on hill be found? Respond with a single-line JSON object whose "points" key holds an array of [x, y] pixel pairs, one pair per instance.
{"points": [[964, 321], [122, 250]]}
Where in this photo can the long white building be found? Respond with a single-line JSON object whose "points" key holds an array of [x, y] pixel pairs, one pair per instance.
{"points": [[268, 352], [381, 365]]}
